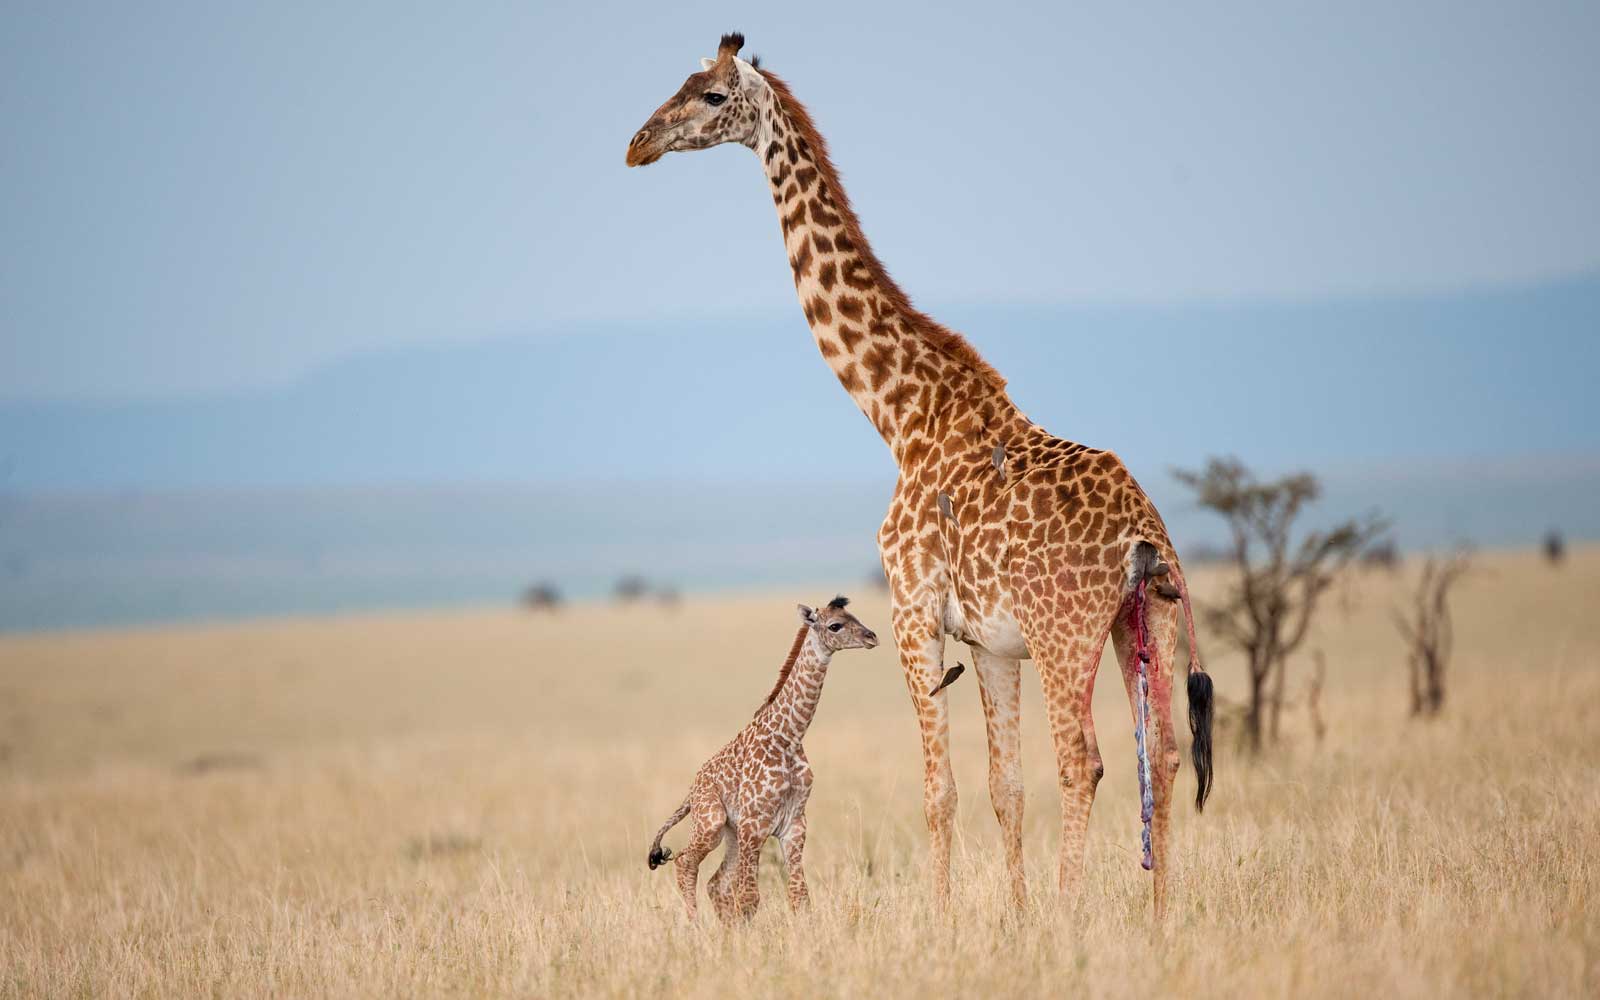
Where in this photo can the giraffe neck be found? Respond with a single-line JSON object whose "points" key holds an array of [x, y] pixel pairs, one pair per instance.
{"points": [[900, 366], [788, 715]]}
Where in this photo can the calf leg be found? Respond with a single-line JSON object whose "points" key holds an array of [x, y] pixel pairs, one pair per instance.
{"points": [[794, 848], [708, 822], [747, 893], [721, 883]]}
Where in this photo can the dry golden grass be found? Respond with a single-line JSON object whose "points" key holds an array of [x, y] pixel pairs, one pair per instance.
{"points": [[461, 804]]}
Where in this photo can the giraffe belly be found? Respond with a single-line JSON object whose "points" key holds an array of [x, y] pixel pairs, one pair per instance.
{"points": [[995, 630]]}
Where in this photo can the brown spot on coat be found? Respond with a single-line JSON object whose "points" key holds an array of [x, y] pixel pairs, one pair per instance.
{"points": [[850, 378], [821, 215], [801, 263], [827, 274]]}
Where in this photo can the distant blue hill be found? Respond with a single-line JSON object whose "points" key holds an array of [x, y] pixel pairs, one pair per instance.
{"points": [[723, 454], [1353, 382]]}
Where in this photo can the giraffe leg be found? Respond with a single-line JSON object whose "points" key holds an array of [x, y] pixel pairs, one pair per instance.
{"points": [[794, 848], [1065, 615], [1000, 684], [1161, 618], [708, 822], [1066, 672], [720, 885], [921, 643], [747, 891]]}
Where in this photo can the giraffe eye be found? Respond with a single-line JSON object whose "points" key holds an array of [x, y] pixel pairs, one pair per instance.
{"points": [[714, 99], [835, 627]]}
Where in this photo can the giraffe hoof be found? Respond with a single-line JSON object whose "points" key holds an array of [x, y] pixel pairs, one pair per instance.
{"points": [[1167, 590]]}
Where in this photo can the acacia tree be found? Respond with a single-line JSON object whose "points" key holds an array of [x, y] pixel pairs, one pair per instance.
{"points": [[1429, 632], [1268, 612]]}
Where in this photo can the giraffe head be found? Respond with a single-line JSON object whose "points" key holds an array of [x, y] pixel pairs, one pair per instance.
{"points": [[837, 628], [721, 103]]}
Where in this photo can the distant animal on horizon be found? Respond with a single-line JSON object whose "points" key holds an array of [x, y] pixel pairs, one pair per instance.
{"points": [[1022, 545], [756, 786]]}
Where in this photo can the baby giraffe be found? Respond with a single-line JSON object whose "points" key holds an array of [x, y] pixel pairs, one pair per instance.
{"points": [[756, 786]]}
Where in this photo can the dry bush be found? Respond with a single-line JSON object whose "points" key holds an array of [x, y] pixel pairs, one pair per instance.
{"points": [[1429, 632], [1280, 580], [544, 596], [1555, 547]]}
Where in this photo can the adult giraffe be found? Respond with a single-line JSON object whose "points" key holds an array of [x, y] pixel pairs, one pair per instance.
{"points": [[1018, 543]]}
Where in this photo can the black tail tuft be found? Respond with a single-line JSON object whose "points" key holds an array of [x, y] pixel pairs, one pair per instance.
{"points": [[1200, 711], [659, 856]]}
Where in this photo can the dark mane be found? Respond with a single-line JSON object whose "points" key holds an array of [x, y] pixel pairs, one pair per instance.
{"points": [[788, 666], [936, 335]]}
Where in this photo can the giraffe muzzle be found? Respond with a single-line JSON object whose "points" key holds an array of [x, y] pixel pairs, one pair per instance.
{"points": [[643, 149]]}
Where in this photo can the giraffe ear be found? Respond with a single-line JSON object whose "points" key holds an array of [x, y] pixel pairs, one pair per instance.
{"points": [[707, 63], [807, 615]]}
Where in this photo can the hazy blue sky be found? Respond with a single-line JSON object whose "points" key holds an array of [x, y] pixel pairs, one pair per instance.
{"points": [[291, 291], [209, 197]]}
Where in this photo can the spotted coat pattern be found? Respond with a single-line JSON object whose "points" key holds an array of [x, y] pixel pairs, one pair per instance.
{"points": [[757, 785], [998, 534]]}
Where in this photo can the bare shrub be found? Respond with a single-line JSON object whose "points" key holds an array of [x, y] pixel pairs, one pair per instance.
{"points": [[1555, 547], [541, 597], [1269, 610], [630, 588], [1429, 632]]}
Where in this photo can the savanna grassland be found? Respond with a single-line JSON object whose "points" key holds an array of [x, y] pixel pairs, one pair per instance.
{"points": [[460, 803]]}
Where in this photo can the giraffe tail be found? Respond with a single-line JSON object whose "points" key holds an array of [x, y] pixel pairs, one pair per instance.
{"points": [[661, 855], [1201, 703]]}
